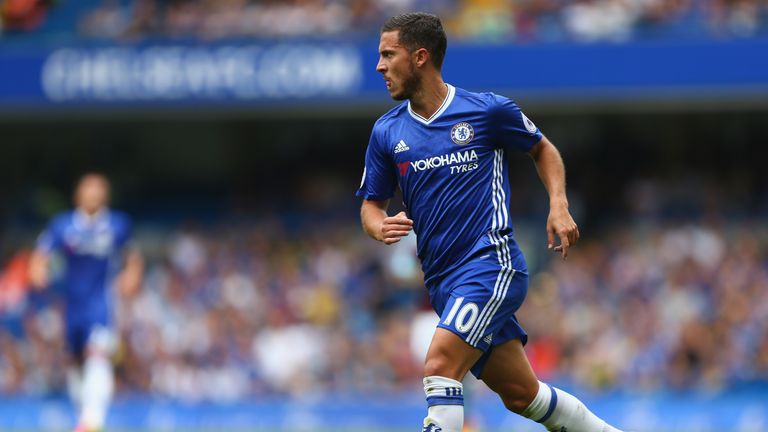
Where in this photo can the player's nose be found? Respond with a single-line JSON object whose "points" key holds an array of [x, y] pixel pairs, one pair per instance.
{"points": [[381, 67]]}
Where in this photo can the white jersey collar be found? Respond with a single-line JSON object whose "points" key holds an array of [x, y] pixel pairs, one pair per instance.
{"points": [[83, 220], [446, 102]]}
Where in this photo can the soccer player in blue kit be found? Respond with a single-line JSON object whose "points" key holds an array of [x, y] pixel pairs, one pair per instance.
{"points": [[94, 242], [446, 148]]}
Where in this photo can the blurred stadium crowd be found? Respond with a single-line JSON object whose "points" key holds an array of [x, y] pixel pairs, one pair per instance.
{"points": [[481, 20], [239, 311]]}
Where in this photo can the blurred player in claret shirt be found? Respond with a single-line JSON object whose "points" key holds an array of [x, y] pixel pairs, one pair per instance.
{"points": [[95, 245], [447, 148]]}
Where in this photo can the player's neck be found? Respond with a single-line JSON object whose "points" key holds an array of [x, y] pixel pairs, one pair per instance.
{"points": [[90, 214], [429, 98]]}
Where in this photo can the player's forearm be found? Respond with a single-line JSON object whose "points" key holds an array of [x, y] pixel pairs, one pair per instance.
{"points": [[551, 169], [38, 270], [372, 216], [132, 274]]}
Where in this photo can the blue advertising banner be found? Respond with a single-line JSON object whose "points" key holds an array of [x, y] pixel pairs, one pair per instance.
{"points": [[232, 74]]}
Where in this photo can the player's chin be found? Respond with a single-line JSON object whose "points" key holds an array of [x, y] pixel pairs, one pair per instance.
{"points": [[398, 95]]}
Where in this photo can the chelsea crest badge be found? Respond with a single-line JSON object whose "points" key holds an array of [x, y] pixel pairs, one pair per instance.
{"points": [[462, 133]]}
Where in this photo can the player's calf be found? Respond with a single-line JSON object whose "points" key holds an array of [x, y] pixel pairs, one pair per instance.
{"points": [[509, 374], [517, 396], [559, 411]]}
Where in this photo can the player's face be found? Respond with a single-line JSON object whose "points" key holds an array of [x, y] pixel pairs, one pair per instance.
{"points": [[397, 65], [92, 193]]}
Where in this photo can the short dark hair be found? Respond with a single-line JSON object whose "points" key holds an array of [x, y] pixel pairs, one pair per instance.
{"points": [[420, 30]]}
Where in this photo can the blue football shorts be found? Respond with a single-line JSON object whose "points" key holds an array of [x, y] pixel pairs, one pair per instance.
{"points": [[478, 303], [90, 335]]}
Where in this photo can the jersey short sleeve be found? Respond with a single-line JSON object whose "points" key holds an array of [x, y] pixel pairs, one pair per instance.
{"points": [[51, 239], [514, 130], [379, 179]]}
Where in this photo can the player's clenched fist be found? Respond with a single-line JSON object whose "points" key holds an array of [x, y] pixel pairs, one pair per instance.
{"points": [[394, 227]]}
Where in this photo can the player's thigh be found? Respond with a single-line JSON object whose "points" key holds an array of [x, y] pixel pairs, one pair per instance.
{"points": [[471, 307], [449, 356], [509, 374]]}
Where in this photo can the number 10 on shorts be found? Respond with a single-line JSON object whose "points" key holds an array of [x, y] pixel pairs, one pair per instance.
{"points": [[465, 315]]}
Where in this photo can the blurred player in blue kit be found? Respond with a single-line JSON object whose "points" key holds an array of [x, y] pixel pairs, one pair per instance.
{"points": [[95, 245], [447, 148]]}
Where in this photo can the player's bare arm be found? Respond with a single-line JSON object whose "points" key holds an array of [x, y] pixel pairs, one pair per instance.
{"points": [[38, 269], [380, 226], [130, 278], [551, 169]]}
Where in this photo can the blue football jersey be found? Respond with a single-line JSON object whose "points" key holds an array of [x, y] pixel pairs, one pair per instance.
{"points": [[452, 170], [92, 253]]}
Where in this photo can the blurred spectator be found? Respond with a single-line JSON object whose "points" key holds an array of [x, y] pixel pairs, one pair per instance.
{"points": [[737, 18], [590, 20], [108, 20], [22, 15]]}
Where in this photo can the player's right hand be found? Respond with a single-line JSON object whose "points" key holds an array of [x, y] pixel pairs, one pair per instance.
{"points": [[395, 227]]}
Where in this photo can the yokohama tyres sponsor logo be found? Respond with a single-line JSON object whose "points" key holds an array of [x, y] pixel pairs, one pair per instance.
{"points": [[444, 160]]}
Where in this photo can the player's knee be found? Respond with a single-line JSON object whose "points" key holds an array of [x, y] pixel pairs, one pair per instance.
{"points": [[437, 365], [516, 396], [440, 364]]}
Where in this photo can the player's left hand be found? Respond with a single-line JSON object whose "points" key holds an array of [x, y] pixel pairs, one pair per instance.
{"points": [[561, 224]]}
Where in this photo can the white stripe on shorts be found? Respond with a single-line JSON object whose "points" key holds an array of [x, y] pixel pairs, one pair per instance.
{"points": [[500, 217]]}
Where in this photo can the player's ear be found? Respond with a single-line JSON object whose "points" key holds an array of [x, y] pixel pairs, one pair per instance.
{"points": [[421, 57]]}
